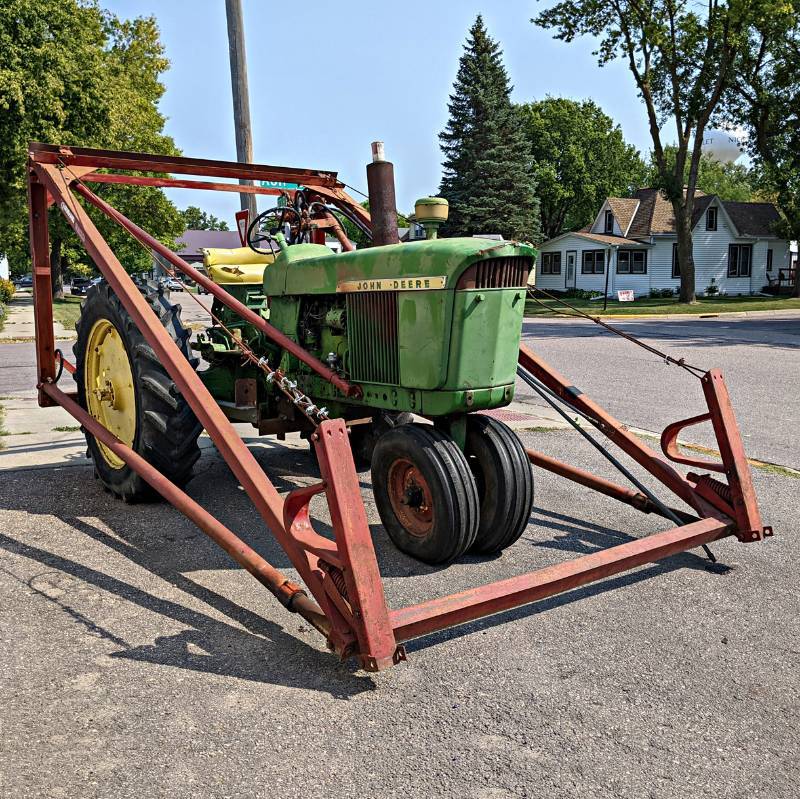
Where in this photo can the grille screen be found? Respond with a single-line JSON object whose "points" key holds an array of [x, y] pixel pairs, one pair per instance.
{"points": [[497, 273], [372, 334]]}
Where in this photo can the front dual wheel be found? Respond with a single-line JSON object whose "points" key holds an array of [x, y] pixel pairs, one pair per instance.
{"points": [[437, 502]]}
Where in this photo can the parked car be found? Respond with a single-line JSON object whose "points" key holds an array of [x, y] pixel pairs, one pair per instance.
{"points": [[173, 284], [79, 286], [25, 282]]}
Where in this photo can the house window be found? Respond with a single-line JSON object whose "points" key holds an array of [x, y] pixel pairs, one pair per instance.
{"points": [[632, 262], [609, 224], [711, 219], [769, 260], [740, 257], [551, 263], [676, 267], [594, 262]]}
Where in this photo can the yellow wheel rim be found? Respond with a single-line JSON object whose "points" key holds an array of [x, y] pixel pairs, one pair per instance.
{"points": [[109, 387]]}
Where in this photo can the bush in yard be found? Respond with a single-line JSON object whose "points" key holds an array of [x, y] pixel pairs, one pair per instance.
{"points": [[6, 291], [583, 294], [658, 294]]}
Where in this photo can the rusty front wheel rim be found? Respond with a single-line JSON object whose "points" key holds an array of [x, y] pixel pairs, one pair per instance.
{"points": [[411, 498]]}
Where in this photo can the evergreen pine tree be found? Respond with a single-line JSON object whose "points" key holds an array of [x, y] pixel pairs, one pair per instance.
{"points": [[487, 175]]}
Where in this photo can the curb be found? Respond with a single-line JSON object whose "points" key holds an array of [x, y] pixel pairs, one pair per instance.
{"points": [[707, 315]]}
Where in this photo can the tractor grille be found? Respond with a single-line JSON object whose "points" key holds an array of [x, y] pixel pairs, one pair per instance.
{"points": [[372, 334], [497, 273]]}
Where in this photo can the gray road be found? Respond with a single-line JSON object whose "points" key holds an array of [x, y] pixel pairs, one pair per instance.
{"points": [[759, 357], [136, 662]]}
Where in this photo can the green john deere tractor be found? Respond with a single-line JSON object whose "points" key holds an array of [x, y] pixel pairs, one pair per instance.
{"points": [[429, 330]]}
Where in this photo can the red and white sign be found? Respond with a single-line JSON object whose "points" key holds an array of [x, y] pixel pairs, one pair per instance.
{"points": [[626, 295], [242, 223]]}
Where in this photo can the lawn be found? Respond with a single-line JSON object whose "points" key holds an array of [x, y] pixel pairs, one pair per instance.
{"points": [[663, 306], [67, 311]]}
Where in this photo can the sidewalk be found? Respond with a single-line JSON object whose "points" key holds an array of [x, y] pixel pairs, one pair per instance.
{"points": [[19, 325]]}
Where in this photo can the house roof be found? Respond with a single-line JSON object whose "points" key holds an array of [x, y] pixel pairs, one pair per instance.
{"points": [[601, 238], [191, 241], [654, 214], [753, 219], [623, 209]]}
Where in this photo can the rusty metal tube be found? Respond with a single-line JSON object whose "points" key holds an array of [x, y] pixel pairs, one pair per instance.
{"points": [[223, 296], [599, 484], [288, 593], [382, 202], [475, 603]]}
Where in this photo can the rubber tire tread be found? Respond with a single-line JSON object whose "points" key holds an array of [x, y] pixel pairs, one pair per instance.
{"points": [[493, 446], [167, 430], [453, 489]]}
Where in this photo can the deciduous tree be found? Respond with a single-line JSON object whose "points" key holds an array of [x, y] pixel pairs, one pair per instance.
{"points": [[681, 56], [579, 159], [73, 74], [765, 99], [195, 219], [728, 181]]}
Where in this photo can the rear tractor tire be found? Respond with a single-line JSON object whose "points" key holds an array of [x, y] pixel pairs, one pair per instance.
{"points": [[123, 385], [504, 479], [425, 493]]}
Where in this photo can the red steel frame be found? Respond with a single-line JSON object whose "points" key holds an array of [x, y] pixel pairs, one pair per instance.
{"points": [[342, 575]]}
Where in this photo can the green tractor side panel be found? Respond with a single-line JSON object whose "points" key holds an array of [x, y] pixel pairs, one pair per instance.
{"points": [[423, 317], [485, 338]]}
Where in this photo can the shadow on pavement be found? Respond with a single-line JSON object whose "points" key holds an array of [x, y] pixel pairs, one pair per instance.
{"points": [[159, 540]]}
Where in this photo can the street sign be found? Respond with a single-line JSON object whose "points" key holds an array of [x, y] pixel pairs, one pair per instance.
{"points": [[278, 184], [626, 295]]}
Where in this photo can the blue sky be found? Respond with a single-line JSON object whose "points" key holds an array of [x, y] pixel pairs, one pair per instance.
{"points": [[326, 79]]}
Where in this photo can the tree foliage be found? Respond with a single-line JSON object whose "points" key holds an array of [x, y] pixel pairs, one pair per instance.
{"points": [[579, 159], [356, 235], [728, 181], [195, 219], [682, 57], [73, 74], [486, 170], [765, 100]]}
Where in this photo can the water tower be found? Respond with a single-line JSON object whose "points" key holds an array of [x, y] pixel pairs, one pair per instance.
{"points": [[724, 146]]}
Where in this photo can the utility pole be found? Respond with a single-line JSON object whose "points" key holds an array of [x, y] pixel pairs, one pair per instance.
{"points": [[241, 97]]}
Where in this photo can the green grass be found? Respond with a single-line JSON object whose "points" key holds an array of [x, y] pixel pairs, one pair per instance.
{"points": [[3, 431], [67, 311], [665, 306], [67, 428]]}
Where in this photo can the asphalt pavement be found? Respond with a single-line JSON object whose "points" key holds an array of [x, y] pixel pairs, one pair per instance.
{"points": [[136, 660], [759, 357]]}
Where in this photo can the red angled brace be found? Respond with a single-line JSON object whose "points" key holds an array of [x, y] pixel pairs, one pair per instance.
{"points": [[669, 444]]}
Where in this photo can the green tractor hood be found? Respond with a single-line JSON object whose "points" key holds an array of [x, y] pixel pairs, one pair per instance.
{"points": [[313, 269]]}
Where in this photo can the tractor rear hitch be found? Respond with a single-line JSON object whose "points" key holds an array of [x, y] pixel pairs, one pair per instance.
{"points": [[345, 600]]}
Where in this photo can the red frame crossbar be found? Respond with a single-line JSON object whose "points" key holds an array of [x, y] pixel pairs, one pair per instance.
{"points": [[342, 573]]}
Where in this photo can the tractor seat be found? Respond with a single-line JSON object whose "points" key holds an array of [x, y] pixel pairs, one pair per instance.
{"points": [[238, 265]]}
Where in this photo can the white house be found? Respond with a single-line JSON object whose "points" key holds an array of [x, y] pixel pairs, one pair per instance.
{"points": [[632, 244]]}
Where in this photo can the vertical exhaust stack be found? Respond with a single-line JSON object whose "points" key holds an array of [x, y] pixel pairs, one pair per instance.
{"points": [[382, 204]]}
